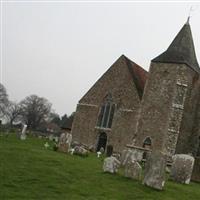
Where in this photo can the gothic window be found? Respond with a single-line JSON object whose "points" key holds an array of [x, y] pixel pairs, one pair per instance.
{"points": [[147, 143], [106, 113]]}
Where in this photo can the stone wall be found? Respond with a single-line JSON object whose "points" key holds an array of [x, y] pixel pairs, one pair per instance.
{"points": [[189, 111], [156, 105], [168, 107], [118, 82], [194, 139], [85, 120]]}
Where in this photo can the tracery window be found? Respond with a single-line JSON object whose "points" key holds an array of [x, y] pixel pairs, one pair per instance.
{"points": [[106, 113]]}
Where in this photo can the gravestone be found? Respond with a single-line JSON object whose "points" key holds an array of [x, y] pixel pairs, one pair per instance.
{"points": [[196, 170], [111, 164], [65, 142], [154, 173], [130, 155], [133, 170], [23, 134], [126, 154], [182, 166], [56, 139], [81, 151], [51, 137]]}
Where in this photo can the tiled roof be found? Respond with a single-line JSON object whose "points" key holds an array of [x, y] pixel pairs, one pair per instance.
{"points": [[181, 50], [139, 75]]}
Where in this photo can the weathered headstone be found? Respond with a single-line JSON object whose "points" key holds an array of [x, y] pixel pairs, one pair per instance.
{"points": [[51, 137], [182, 166], [130, 155], [56, 138], [154, 173], [65, 142], [117, 155], [196, 170], [23, 134], [111, 164], [81, 151], [133, 170], [126, 154]]}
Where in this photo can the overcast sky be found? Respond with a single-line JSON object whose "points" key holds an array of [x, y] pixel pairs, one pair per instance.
{"points": [[58, 50]]}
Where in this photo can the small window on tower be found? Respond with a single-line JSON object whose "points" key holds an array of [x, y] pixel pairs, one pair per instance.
{"points": [[147, 143]]}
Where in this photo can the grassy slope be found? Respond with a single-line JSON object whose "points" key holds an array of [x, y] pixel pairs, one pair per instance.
{"points": [[28, 171]]}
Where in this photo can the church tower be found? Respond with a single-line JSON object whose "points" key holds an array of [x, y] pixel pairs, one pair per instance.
{"points": [[170, 98]]}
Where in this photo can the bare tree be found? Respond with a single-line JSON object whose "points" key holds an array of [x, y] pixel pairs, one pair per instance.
{"points": [[35, 110], [3, 100], [13, 112]]}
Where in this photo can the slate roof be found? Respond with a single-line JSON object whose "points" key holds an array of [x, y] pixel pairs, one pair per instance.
{"points": [[139, 75], [181, 50]]}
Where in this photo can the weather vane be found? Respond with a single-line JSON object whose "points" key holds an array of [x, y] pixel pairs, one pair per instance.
{"points": [[192, 9]]}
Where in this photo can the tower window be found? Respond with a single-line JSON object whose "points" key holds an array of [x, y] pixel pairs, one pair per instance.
{"points": [[106, 113], [147, 143]]}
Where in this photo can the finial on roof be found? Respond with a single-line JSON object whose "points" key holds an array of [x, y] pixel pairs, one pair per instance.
{"points": [[181, 50], [188, 20], [192, 9]]}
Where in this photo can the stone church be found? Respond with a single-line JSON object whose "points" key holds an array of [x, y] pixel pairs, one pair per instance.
{"points": [[159, 109]]}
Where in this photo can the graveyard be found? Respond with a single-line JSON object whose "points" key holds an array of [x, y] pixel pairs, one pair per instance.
{"points": [[30, 171]]}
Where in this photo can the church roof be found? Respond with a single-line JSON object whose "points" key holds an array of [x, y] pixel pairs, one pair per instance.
{"points": [[181, 50], [138, 74]]}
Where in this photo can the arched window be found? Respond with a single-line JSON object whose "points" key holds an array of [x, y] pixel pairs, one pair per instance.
{"points": [[106, 113], [147, 143]]}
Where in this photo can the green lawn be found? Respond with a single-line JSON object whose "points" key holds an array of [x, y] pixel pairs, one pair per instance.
{"points": [[28, 171]]}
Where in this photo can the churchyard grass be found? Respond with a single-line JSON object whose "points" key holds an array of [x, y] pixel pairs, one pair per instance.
{"points": [[29, 171]]}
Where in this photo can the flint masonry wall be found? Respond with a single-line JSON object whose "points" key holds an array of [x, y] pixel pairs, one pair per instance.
{"points": [[168, 107], [155, 105], [189, 112], [119, 82], [193, 140]]}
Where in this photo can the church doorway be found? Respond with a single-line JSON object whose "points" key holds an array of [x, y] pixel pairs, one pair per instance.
{"points": [[102, 140]]}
